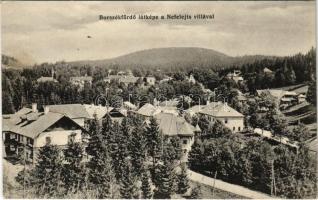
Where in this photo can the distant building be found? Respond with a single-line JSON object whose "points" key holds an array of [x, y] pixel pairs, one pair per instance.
{"points": [[301, 98], [172, 125], [166, 79], [169, 106], [51, 78], [126, 79], [231, 118], [129, 106], [32, 130], [235, 75], [267, 71], [150, 80], [283, 98], [147, 111], [81, 80], [191, 79]]}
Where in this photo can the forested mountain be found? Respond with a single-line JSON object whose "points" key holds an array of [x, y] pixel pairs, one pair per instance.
{"points": [[172, 58], [10, 62]]}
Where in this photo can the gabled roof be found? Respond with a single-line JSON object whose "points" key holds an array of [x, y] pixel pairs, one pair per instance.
{"points": [[148, 110], [81, 78], [46, 79], [99, 111], [23, 111], [32, 128], [128, 79], [219, 109], [130, 105], [169, 103], [266, 70], [71, 110], [171, 125], [275, 93], [196, 108]]}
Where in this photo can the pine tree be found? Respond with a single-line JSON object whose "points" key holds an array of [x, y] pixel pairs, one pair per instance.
{"points": [[154, 140], [101, 171], [128, 187], [145, 186], [196, 155], [73, 172], [165, 181], [137, 148], [183, 181], [48, 171]]}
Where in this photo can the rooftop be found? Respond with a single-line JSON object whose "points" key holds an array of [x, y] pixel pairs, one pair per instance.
{"points": [[171, 125], [219, 109]]}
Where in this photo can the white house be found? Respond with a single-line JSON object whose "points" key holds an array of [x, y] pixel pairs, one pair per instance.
{"points": [[81, 80], [235, 75], [231, 118], [172, 125]]}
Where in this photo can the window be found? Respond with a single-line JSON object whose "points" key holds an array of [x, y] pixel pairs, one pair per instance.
{"points": [[184, 151], [225, 120], [185, 141], [71, 138], [233, 128], [12, 148], [12, 136], [239, 128], [48, 140]]}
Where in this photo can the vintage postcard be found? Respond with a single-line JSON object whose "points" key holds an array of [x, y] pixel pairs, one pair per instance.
{"points": [[159, 100]]}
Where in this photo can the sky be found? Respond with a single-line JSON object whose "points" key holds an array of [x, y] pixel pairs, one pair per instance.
{"points": [[37, 32]]}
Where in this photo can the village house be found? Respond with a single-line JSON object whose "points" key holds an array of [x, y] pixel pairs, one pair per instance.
{"points": [[283, 98], [122, 78], [129, 106], [236, 76], [147, 111], [51, 78], [222, 112], [171, 125], [81, 80], [150, 80], [28, 130], [267, 71], [169, 106], [191, 79]]}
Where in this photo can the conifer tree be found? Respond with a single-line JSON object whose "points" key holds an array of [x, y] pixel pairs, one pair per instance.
{"points": [[128, 181], [154, 140], [137, 148], [183, 181], [145, 186], [101, 171], [73, 171], [47, 171], [164, 181]]}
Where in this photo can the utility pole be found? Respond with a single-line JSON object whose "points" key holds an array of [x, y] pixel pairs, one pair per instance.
{"points": [[273, 184], [216, 172]]}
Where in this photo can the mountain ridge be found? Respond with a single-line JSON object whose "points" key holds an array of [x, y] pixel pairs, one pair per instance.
{"points": [[172, 57]]}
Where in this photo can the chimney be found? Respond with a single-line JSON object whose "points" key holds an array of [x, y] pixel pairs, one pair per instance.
{"points": [[46, 109], [34, 107]]}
